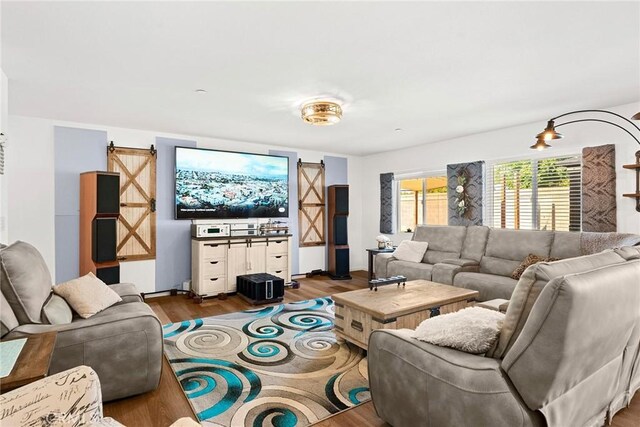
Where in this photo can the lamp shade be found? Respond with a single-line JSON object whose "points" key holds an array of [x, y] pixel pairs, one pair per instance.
{"points": [[549, 132], [540, 145], [636, 116]]}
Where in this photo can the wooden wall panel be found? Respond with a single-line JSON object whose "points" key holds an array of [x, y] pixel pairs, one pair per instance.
{"points": [[311, 203]]}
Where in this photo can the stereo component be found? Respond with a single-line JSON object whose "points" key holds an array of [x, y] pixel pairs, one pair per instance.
{"points": [[209, 230]]}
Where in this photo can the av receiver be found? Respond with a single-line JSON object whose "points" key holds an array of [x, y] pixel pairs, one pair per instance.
{"points": [[209, 230]]}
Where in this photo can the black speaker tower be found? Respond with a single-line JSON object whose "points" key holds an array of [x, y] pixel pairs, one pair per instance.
{"points": [[338, 210]]}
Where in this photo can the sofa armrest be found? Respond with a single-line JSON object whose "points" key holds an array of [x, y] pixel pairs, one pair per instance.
{"points": [[444, 272], [380, 263], [127, 291], [497, 304], [123, 344], [72, 397], [462, 262], [412, 381]]}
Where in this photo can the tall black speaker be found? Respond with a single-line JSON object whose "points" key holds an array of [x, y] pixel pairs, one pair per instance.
{"points": [[99, 212], [338, 210]]}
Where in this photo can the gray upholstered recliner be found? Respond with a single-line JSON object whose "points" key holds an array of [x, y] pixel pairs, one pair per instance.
{"points": [[123, 343], [568, 355]]}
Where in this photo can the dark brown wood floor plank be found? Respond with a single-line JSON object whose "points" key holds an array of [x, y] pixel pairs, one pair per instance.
{"points": [[163, 406]]}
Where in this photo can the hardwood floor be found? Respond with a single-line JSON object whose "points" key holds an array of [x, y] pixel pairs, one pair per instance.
{"points": [[160, 408]]}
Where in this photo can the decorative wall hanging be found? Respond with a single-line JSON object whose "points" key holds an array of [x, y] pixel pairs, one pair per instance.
{"points": [[386, 203], [465, 191], [311, 203], [137, 222], [599, 188]]}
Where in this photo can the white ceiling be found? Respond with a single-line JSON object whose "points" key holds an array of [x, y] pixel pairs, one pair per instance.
{"points": [[435, 69]]}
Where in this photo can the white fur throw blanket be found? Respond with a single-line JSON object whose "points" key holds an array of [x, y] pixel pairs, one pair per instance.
{"points": [[472, 330]]}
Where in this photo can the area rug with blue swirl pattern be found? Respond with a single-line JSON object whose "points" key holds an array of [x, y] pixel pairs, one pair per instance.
{"points": [[276, 366]]}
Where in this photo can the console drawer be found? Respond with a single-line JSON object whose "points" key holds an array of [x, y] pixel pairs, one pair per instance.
{"points": [[277, 247], [278, 262]]}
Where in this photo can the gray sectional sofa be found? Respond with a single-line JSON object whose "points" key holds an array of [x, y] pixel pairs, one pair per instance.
{"points": [[123, 343], [568, 354], [483, 258]]}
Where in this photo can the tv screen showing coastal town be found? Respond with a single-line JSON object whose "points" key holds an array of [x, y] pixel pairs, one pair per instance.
{"points": [[224, 184]]}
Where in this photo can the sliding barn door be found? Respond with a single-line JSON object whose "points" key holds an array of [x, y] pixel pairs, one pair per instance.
{"points": [[137, 222], [311, 203]]}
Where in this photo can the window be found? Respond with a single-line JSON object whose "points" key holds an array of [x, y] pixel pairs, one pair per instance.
{"points": [[421, 198], [542, 194]]}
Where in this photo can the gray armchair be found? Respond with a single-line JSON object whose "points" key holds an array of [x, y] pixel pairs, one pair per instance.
{"points": [[122, 344], [574, 362]]}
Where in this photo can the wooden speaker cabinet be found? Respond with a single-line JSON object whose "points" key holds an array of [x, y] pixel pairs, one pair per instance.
{"points": [[338, 210], [99, 211]]}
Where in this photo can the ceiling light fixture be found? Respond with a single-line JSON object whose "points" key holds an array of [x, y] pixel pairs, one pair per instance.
{"points": [[321, 113]]}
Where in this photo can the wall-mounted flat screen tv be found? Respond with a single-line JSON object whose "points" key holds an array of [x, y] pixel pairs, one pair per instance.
{"points": [[214, 184]]}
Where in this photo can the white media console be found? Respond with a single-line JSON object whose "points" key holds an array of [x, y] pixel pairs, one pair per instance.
{"points": [[216, 262]]}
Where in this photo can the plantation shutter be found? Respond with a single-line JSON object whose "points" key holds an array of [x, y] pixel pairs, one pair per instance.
{"points": [[540, 194]]}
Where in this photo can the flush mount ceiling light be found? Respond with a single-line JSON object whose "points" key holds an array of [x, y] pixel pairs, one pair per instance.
{"points": [[321, 113]]}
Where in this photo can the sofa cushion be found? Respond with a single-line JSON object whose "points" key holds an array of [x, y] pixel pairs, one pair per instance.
{"points": [[472, 330], [411, 270], [87, 295], [475, 242], [444, 241], [490, 286], [25, 281], [566, 244], [8, 319], [56, 311], [534, 279], [513, 245], [411, 251]]}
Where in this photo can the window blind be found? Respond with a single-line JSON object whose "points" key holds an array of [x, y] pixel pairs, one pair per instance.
{"points": [[535, 194]]}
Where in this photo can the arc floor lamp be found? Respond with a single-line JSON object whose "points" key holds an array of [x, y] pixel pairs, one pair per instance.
{"points": [[550, 133]]}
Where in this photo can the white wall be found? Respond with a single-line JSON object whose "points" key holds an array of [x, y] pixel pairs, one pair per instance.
{"points": [[505, 143], [31, 193], [4, 182]]}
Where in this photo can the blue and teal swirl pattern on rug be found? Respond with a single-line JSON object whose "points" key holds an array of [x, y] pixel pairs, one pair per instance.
{"points": [[276, 366]]}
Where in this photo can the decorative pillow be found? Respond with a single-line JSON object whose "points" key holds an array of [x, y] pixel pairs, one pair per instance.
{"points": [[411, 250], [56, 311], [472, 330], [87, 295], [529, 261]]}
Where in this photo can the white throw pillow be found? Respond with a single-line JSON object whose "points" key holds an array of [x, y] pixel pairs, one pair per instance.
{"points": [[411, 250], [472, 330], [87, 295]]}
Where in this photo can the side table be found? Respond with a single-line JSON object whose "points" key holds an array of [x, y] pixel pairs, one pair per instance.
{"points": [[33, 361], [372, 252]]}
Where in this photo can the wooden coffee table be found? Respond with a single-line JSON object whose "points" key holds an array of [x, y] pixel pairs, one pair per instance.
{"points": [[395, 307]]}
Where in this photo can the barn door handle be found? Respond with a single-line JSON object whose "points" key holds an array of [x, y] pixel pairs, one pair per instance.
{"points": [[122, 258], [122, 205], [153, 205]]}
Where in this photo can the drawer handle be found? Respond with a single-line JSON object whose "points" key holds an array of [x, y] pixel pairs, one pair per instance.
{"points": [[213, 279], [357, 325], [278, 256], [212, 245], [278, 271], [213, 262]]}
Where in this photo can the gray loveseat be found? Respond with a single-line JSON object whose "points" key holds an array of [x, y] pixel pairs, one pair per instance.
{"points": [[567, 355], [123, 343], [483, 258]]}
